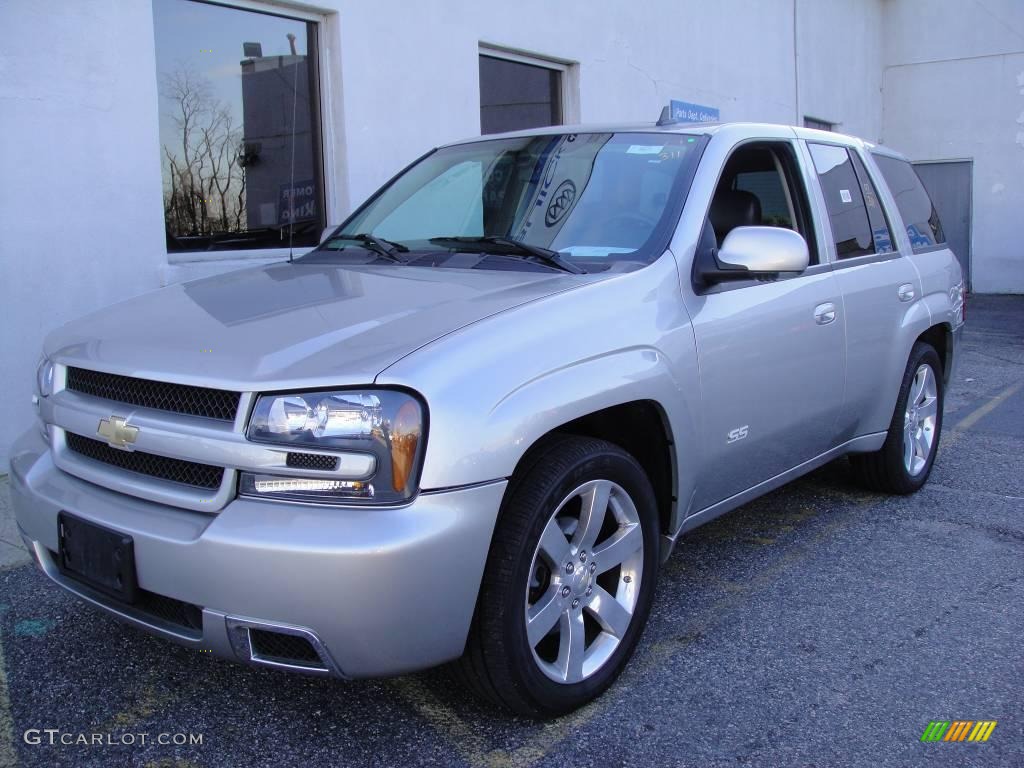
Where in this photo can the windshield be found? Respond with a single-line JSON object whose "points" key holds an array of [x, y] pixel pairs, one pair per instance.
{"points": [[593, 198]]}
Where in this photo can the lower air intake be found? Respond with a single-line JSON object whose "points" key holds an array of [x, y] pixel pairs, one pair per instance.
{"points": [[284, 648]]}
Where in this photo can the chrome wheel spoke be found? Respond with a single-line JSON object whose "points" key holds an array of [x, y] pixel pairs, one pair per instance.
{"points": [[921, 441], [619, 547], [610, 613], [572, 646], [595, 504], [908, 447], [543, 615], [929, 408], [553, 542], [917, 389]]}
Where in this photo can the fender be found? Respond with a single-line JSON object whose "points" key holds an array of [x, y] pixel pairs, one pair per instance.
{"points": [[496, 387]]}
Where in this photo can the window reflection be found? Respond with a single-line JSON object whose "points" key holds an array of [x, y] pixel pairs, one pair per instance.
{"points": [[238, 127]]}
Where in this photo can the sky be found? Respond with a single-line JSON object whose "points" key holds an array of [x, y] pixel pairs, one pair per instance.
{"points": [[208, 38]]}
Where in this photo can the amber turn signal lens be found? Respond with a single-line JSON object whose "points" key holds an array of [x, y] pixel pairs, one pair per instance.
{"points": [[405, 439]]}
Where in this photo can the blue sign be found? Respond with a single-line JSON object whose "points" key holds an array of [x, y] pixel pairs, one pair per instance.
{"points": [[685, 112]]}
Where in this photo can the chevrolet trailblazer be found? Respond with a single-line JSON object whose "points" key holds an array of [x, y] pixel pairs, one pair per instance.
{"points": [[473, 422]]}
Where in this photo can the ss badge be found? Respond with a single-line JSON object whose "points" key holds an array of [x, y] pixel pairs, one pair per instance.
{"points": [[738, 434]]}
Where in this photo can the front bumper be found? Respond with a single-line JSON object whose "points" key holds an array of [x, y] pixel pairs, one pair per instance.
{"points": [[376, 591]]}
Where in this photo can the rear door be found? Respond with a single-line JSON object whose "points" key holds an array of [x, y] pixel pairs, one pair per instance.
{"points": [[879, 287]]}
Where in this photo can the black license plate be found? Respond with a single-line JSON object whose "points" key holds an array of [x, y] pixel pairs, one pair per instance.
{"points": [[98, 557]]}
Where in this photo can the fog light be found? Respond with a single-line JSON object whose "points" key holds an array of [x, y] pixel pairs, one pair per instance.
{"points": [[304, 488]]}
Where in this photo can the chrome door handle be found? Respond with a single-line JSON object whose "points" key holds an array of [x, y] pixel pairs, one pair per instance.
{"points": [[825, 313], [906, 292]]}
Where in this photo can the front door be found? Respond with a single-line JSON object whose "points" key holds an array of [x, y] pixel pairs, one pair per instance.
{"points": [[771, 354]]}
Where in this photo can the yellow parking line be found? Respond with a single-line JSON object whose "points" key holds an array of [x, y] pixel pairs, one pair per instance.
{"points": [[8, 757], [984, 410]]}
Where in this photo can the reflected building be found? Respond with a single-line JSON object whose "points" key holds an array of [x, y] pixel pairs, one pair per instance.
{"points": [[276, 91]]}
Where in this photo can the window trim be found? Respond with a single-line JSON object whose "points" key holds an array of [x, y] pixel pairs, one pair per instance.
{"points": [[569, 75], [328, 110]]}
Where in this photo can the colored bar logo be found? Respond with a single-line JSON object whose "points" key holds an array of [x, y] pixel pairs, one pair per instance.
{"points": [[958, 730]]}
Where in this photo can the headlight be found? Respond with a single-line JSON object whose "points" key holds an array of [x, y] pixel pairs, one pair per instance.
{"points": [[386, 424], [44, 378]]}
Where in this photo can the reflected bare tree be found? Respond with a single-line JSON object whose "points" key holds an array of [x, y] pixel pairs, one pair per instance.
{"points": [[204, 187]]}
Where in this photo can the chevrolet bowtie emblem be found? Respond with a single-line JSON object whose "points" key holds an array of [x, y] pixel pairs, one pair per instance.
{"points": [[117, 432]]}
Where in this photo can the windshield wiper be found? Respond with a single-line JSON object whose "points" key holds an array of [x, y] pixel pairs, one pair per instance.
{"points": [[510, 247], [378, 245]]}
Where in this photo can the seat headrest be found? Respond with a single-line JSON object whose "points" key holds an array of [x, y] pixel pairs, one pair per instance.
{"points": [[733, 208]]}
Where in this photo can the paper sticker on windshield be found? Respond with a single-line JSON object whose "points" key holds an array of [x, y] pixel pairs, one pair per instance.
{"points": [[844, 195], [644, 149]]}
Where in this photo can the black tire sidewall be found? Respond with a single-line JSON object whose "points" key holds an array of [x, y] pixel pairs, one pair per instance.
{"points": [[607, 463]]}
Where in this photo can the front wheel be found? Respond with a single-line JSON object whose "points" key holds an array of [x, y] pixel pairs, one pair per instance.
{"points": [[905, 460], [569, 579]]}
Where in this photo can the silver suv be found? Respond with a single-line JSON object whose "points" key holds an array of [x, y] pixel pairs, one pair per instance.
{"points": [[474, 421]]}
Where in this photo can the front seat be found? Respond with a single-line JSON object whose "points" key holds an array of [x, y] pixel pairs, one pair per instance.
{"points": [[733, 208]]}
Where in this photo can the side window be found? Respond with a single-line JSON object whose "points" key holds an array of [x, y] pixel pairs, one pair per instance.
{"points": [[761, 186], [876, 215], [847, 212], [916, 209]]}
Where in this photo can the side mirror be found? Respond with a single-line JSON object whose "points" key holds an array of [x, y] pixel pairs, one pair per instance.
{"points": [[328, 232], [754, 251]]}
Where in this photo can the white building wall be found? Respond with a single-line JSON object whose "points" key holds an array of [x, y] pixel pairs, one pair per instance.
{"points": [[954, 89], [81, 204]]}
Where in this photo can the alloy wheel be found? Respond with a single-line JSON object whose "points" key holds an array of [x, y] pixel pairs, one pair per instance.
{"points": [[919, 420], [584, 581]]}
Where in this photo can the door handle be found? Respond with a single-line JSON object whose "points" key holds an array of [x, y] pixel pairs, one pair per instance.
{"points": [[825, 313], [906, 292]]}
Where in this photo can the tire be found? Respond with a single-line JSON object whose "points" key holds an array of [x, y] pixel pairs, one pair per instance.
{"points": [[523, 574], [905, 460]]}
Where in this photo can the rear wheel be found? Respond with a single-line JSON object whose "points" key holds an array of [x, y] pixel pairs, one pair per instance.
{"points": [[569, 580], [905, 460]]}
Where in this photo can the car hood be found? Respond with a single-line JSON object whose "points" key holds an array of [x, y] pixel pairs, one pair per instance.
{"points": [[292, 324]]}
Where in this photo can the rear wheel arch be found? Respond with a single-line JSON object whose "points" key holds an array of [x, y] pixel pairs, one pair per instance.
{"points": [[940, 338]]}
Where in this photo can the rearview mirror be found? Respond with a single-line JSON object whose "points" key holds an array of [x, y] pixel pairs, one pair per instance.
{"points": [[757, 251]]}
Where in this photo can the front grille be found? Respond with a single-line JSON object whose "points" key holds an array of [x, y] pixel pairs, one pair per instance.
{"points": [[176, 398], [163, 467], [277, 646], [312, 461]]}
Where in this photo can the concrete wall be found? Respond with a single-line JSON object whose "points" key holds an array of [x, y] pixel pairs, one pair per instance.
{"points": [[954, 89], [82, 209]]}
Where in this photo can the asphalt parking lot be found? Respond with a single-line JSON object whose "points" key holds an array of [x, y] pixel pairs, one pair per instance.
{"points": [[821, 625]]}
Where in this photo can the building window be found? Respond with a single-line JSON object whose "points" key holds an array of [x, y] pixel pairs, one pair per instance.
{"points": [[239, 128], [820, 125], [518, 92]]}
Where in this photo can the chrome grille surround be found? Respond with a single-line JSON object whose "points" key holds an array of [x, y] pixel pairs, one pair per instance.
{"points": [[170, 438]]}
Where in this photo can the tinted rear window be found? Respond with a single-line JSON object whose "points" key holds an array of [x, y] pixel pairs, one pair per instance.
{"points": [[916, 209]]}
